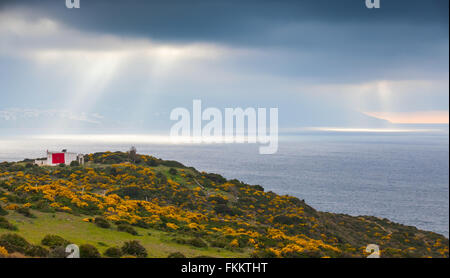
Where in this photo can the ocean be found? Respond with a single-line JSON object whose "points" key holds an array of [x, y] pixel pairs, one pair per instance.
{"points": [[400, 176]]}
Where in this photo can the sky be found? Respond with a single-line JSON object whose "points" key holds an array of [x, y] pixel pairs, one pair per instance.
{"points": [[124, 65]]}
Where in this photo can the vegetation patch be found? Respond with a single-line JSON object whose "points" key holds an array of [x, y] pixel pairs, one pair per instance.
{"points": [[176, 209]]}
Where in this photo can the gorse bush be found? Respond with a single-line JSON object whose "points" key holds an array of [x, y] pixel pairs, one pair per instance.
{"points": [[287, 220], [134, 248], [127, 228], [219, 243], [3, 252], [58, 252], [89, 251], [102, 222], [37, 251], [3, 212], [54, 241], [173, 171], [176, 255], [74, 163], [14, 243], [196, 242], [113, 252], [4, 224], [25, 212]]}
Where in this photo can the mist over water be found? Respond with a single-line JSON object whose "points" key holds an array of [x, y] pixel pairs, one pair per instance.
{"points": [[402, 177]]}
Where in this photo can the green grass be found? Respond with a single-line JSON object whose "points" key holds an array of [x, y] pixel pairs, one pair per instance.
{"points": [[77, 231]]}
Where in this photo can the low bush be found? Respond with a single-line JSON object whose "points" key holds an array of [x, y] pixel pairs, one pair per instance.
{"points": [[4, 224], [113, 252], [89, 251], [3, 212], [58, 252], [196, 242], [54, 241], [176, 255], [287, 220], [171, 163], [74, 163], [134, 248], [226, 210], [173, 171], [14, 243], [263, 254], [219, 243], [3, 252], [37, 251], [127, 228], [102, 222], [25, 212]]}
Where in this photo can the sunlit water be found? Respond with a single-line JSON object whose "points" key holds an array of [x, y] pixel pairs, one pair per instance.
{"points": [[402, 177]]}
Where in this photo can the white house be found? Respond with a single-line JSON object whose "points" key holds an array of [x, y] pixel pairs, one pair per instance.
{"points": [[63, 157]]}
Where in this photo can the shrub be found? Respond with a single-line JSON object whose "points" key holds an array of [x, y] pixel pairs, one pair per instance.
{"points": [[54, 241], [25, 212], [3, 212], [176, 255], [43, 206], [37, 251], [173, 171], [74, 163], [286, 220], [226, 210], [4, 224], [127, 228], [215, 178], [151, 163], [133, 192], [142, 224], [14, 243], [113, 252], [220, 243], [197, 242], [218, 199], [171, 163], [102, 222], [89, 251], [134, 248], [16, 255], [263, 254], [58, 252], [3, 252]]}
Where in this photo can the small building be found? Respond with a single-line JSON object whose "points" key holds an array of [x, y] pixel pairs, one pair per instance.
{"points": [[62, 157]]}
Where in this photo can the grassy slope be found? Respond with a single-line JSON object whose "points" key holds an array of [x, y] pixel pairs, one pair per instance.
{"points": [[74, 229]]}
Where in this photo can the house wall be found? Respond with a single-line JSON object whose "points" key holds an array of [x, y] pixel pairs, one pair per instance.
{"points": [[68, 158]]}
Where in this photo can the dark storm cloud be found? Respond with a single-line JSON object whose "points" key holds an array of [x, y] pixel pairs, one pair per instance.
{"points": [[240, 22], [318, 60], [342, 39]]}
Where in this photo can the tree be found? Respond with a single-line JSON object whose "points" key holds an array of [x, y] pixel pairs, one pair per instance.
{"points": [[132, 154]]}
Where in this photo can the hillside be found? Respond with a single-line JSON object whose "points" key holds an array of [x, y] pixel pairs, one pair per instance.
{"points": [[155, 208]]}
